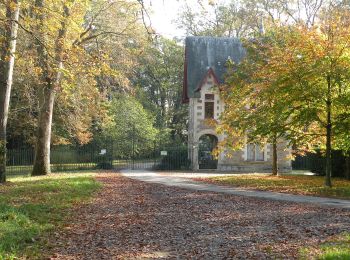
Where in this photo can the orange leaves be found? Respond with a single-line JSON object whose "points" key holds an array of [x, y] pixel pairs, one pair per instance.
{"points": [[283, 82], [295, 184]]}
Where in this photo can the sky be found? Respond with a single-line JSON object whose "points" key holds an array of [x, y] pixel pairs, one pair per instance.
{"points": [[163, 16], [164, 13]]}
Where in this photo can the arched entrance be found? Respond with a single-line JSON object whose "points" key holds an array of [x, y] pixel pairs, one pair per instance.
{"points": [[206, 160]]}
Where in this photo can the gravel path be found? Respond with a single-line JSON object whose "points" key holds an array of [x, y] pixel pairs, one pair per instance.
{"points": [[192, 184], [130, 219]]}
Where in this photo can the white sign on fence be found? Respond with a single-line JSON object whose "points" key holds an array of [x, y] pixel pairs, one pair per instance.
{"points": [[164, 153]]}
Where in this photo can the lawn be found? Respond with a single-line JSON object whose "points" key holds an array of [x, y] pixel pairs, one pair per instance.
{"points": [[337, 247], [64, 167], [295, 184], [33, 207]]}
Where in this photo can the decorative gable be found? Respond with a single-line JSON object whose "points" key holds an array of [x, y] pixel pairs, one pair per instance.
{"points": [[210, 78], [202, 53]]}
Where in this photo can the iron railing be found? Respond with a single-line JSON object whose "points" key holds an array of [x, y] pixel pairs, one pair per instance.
{"points": [[110, 155]]}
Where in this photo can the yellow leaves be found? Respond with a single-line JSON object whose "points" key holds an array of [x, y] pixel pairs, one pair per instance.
{"points": [[83, 136], [12, 5], [296, 184]]}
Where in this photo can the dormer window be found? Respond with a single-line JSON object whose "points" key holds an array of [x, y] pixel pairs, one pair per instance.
{"points": [[209, 106]]}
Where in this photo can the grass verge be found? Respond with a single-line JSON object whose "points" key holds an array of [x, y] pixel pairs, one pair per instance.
{"points": [[335, 248], [32, 207], [295, 184]]}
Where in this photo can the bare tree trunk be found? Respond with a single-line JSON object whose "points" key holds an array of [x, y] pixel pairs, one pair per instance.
{"points": [[47, 99], [162, 94], [274, 157], [7, 62], [328, 182], [43, 139], [347, 166]]}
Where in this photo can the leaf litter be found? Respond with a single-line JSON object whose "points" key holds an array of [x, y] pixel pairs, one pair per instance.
{"points": [[129, 219]]}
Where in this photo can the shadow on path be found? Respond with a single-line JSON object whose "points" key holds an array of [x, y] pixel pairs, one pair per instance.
{"points": [[185, 183]]}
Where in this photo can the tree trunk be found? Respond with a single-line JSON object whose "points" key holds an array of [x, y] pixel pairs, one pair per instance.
{"points": [[328, 182], [42, 150], [163, 106], [7, 62], [47, 99], [347, 166], [274, 157]]}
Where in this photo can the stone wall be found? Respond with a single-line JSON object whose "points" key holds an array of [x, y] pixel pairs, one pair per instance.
{"points": [[233, 160]]}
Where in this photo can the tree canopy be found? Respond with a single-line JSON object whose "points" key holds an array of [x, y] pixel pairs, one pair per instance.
{"points": [[294, 84], [80, 65]]}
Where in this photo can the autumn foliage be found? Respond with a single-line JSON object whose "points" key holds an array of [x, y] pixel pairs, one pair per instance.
{"points": [[293, 84]]}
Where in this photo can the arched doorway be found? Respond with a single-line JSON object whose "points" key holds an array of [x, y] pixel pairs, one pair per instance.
{"points": [[206, 160]]}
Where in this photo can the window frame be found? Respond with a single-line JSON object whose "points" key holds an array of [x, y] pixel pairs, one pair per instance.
{"points": [[209, 100], [209, 97], [252, 153], [209, 112]]}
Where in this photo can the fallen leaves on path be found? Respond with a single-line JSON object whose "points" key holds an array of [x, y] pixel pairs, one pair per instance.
{"points": [[129, 219]]}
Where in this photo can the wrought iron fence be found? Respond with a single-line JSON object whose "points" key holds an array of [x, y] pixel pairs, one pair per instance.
{"points": [[316, 162], [105, 155]]}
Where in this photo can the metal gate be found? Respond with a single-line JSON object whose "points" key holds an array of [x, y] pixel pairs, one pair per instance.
{"points": [[106, 154], [139, 154], [206, 160]]}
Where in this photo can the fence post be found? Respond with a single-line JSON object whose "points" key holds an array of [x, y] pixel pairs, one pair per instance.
{"points": [[133, 147], [112, 151], [154, 154]]}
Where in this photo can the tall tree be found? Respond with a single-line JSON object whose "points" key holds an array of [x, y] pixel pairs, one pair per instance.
{"points": [[232, 19], [309, 68], [159, 82], [131, 126], [253, 111], [7, 61], [74, 31], [246, 18], [317, 82], [50, 81]]}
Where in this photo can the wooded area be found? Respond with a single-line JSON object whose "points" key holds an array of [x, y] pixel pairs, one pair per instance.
{"points": [[83, 71], [87, 86]]}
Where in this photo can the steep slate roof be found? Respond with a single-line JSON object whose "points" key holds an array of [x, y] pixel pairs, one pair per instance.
{"points": [[203, 54]]}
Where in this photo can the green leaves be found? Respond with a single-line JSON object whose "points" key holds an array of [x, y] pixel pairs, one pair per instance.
{"points": [[293, 83], [130, 124]]}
